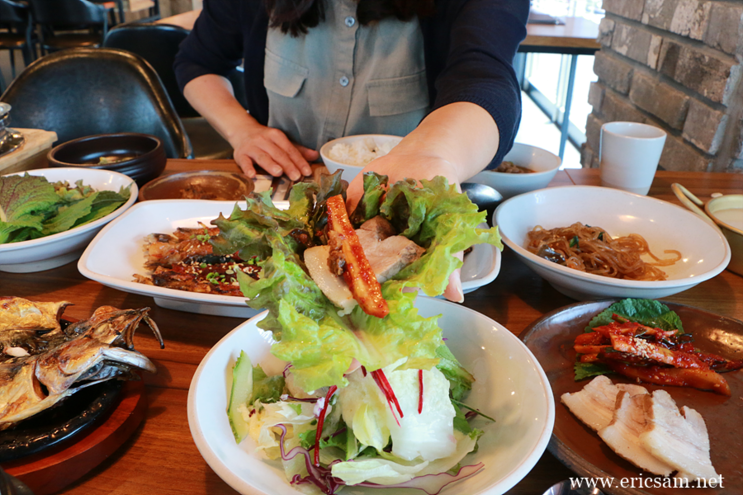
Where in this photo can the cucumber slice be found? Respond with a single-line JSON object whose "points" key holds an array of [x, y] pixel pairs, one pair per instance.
{"points": [[242, 392]]}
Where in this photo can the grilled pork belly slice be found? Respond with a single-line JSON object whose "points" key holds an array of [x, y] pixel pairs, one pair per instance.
{"points": [[623, 434], [334, 287], [387, 253], [680, 441], [594, 405], [377, 228]]}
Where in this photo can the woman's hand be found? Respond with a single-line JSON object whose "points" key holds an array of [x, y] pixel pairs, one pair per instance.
{"points": [[401, 165], [270, 149], [254, 144]]}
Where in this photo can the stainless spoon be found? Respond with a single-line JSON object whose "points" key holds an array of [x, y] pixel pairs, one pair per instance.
{"points": [[485, 197], [564, 488]]}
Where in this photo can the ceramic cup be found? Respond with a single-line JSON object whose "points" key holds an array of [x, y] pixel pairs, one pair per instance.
{"points": [[629, 154]]}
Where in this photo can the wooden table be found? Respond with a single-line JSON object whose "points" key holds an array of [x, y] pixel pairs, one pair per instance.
{"points": [[161, 458], [577, 36], [185, 20]]}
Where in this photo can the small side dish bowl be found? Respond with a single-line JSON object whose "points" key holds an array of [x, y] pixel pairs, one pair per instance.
{"points": [[214, 185], [543, 164], [727, 212], [665, 226], [510, 384], [56, 250], [352, 170], [140, 156]]}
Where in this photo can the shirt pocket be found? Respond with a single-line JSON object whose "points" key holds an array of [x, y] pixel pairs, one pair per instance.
{"points": [[397, 95], [282, 76]]}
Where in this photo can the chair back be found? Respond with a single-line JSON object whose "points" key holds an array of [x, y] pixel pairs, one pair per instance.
{"points": [[13, 13], [85, 91], [68, 13], [158, 44]]}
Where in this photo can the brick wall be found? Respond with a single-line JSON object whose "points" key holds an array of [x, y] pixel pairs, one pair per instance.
{"points": [[675, 64]]}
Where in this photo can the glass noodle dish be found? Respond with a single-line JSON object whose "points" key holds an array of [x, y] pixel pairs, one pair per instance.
{"points": [[592, 250], [371, 395]]}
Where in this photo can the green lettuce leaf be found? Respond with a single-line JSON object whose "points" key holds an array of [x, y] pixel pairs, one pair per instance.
{"points": [[588, 370], [441, 220], [460, 380], [375, 187], [258, 230], [646, 311], [267, 388], [31, 207]]}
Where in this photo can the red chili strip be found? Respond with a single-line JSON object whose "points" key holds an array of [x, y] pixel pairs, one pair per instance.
{"points": [[389, 402], [320, 421], [420, 393], [381, 380], [363, 370]]}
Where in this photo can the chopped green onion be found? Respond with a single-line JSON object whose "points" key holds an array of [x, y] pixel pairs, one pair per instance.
{"points": [[212, 277], [574, 241], [601, 236], [203, 265]]}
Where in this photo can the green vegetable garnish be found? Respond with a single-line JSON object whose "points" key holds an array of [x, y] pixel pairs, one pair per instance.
{"points": [[32, 207]]}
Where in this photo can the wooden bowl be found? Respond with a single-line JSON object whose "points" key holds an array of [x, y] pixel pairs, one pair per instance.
{"points": [[140, 156]]}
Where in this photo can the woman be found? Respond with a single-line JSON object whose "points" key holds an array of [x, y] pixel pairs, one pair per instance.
{"points": [[435, 71]]}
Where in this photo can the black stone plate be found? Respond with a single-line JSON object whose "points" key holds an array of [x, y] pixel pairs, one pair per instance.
{"points": [[59, 423]]}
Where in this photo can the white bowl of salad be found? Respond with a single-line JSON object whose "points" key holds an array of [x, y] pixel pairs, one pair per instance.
{"points": [[48, 216], [510, 387], [361, 388]]}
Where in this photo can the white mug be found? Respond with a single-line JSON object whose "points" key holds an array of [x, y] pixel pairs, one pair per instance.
{"points": [[629, 154]]}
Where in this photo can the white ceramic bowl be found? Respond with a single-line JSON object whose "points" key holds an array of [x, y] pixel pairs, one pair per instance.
{"points": [[704, 250], [544, 164], [58, 249], [510, 384], [351, 171]]}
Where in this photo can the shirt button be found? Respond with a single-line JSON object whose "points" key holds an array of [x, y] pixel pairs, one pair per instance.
{"points": [[350, 21], [344, 81]]}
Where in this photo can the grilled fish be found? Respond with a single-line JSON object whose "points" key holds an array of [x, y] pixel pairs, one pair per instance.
{"points": [[88, 352]]}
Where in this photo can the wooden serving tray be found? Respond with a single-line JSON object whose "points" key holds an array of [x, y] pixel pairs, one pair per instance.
{"points": [[51, 470]]}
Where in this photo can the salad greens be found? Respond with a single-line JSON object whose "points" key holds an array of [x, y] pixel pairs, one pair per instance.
{"points": [[392, 420], [31, 207], [645, 311]]}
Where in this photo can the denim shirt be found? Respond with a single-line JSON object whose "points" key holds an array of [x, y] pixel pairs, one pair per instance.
{"points": [[343, 79]]}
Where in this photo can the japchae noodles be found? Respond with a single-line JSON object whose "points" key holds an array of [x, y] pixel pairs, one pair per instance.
{"points": [[592, 250]]}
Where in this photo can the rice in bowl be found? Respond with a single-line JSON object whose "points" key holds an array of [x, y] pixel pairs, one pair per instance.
{"points": [[360, 152]]}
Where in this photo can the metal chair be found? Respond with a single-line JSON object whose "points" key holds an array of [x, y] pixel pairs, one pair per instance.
{"points": [[84, 91], [158, 44], [18, 32], [70, 23]]}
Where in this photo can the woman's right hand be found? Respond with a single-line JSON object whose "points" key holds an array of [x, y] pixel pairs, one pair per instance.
{"points": [[270, 149]]}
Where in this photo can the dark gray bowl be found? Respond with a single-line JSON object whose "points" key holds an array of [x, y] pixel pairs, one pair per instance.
{"points": [[140, 156]]}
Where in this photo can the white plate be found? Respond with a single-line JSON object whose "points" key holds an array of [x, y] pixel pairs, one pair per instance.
{"points": [[510, 384], [58, 249], [115, 255], [704, 250]]}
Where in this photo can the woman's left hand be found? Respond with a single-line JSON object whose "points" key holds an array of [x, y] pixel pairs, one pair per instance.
{"points": [[401, 165]]}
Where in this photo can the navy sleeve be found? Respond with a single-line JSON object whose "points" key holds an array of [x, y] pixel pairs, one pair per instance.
{"points": [[215, 45], [484, 36]]}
